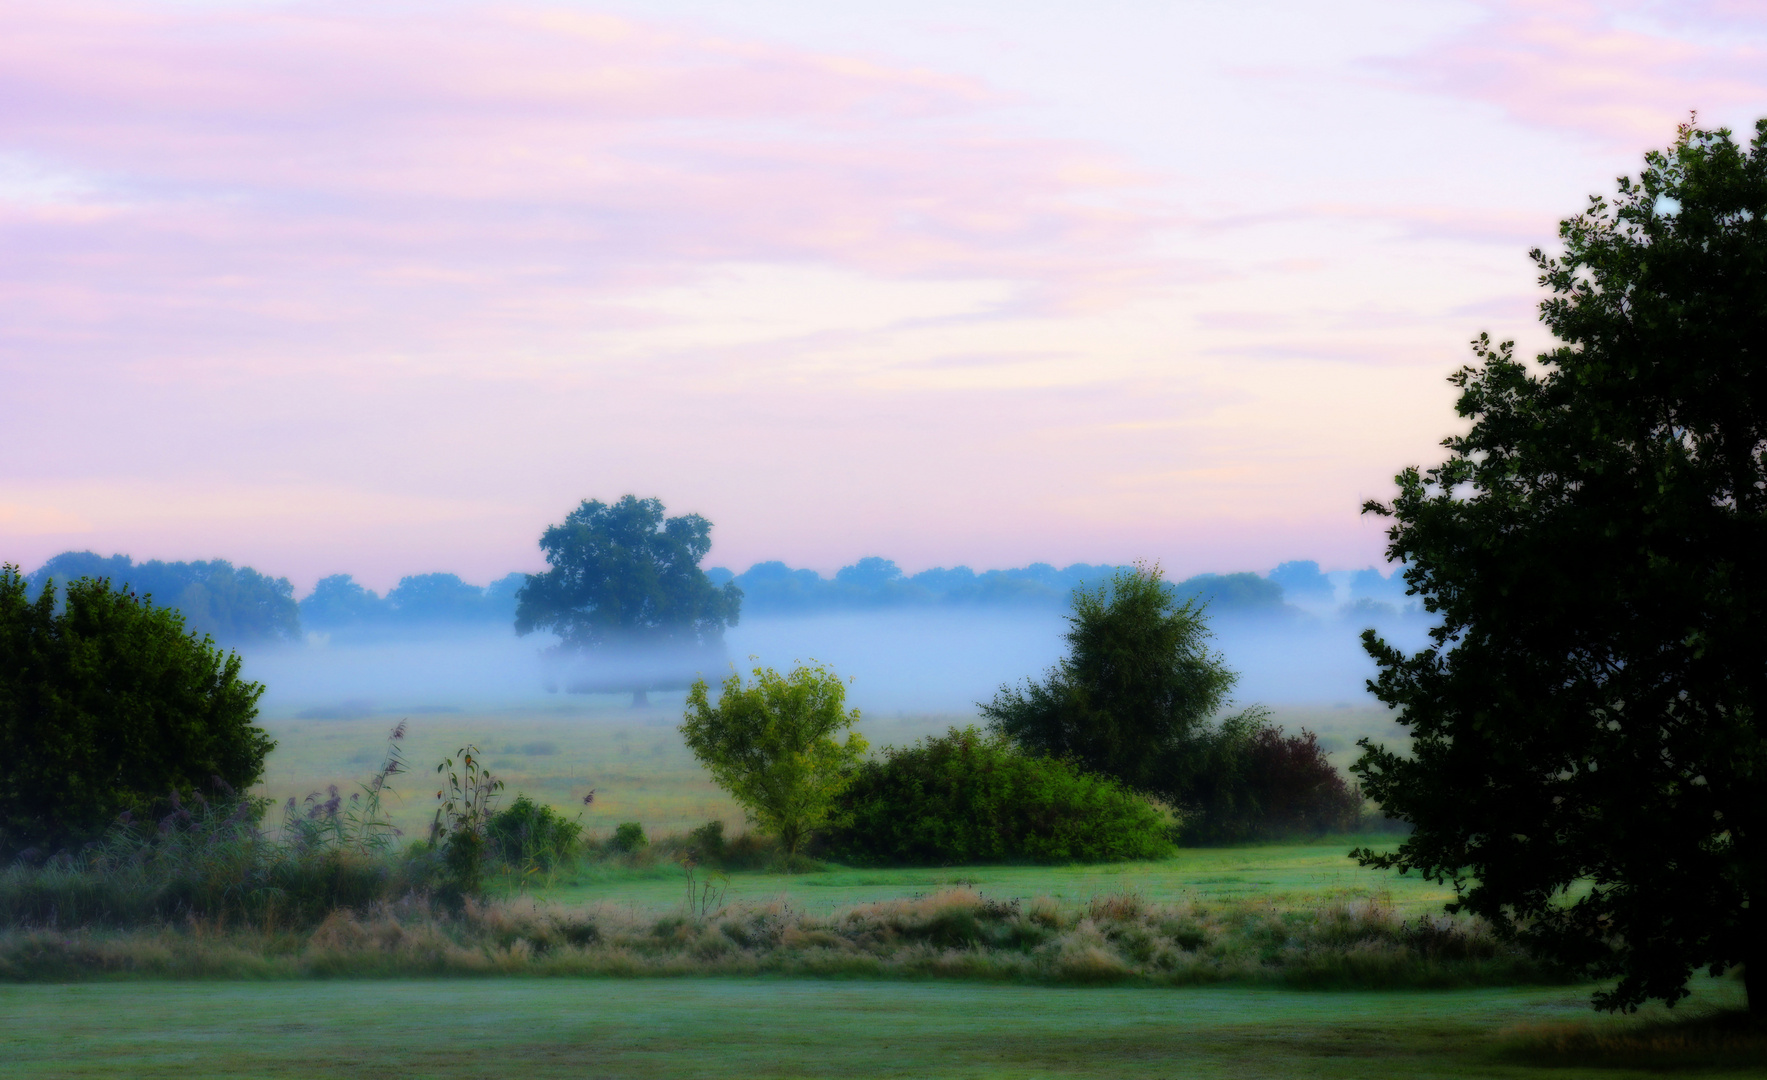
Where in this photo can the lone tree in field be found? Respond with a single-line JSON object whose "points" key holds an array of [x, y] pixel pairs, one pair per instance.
{"points": [[774, 744], [625, 588], [1136, 699], [1588, 763], [107, 706]]}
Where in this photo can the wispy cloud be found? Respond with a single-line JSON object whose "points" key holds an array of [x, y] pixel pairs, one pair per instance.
{"points": [[1623, 73], [444, 173]]}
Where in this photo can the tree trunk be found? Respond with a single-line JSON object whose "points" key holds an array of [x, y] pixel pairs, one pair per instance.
{"points": [[640, 699]]}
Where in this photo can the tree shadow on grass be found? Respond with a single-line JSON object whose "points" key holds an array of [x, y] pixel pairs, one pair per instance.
{"points": [[1691, 1038]]}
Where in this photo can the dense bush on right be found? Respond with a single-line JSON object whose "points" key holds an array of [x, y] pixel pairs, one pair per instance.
{"points": [[966, 797]]}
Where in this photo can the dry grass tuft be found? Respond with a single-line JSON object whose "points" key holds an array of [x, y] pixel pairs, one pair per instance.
{"points": [[956, 933]]}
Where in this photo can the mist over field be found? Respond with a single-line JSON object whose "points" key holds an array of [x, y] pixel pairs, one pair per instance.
{"points": [[898, 661]]}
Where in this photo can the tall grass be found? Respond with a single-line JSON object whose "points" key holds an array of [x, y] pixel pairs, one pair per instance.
{"points": [[210, 859], [956, 933]]}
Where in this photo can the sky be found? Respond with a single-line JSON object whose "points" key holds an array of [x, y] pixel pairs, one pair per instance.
{"points": [[386, 288]]}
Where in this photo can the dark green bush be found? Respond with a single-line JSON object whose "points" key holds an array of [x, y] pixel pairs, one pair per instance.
{"points": [[965, 797], [707, 843], [1275, 786], [526, 835], [107, 705], [629, 837]]}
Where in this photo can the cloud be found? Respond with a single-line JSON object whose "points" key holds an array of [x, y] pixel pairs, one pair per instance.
{"points": [[1621, 73], [439, 173]]}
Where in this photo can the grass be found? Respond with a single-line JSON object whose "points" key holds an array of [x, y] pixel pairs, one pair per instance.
{"points": [[634, 759], [690, 1028], [954, 934], [1294, 875], [1262, 918]]}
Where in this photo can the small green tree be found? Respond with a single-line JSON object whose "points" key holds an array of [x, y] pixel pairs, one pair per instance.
{"points": [[109, 705], [773, 744]]}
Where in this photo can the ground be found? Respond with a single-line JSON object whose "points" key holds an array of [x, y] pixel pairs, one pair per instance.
{"points": [[536, 1029], [770, 1027]]}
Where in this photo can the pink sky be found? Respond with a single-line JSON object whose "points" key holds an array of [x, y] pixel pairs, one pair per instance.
{"points": [[386, 288]]}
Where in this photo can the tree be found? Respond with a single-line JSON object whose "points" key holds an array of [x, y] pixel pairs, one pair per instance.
{"points": [[625, 578], [1135, 695], [236, 605], [773, 745], [1588, 764], [108, 705]]}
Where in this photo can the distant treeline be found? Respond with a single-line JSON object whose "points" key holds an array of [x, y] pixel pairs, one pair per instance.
{"points": [[233, 604], [239, 605], [772, 588]]}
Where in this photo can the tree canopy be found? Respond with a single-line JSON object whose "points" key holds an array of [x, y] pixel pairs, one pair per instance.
{"points": [[1588, 764], [1134, 697], [237, 605], [109, 705], [773, 744], [627, 574]]}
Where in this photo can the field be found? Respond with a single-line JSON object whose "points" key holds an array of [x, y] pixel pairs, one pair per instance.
{"points": [[633, 758], [691, 1025], [640, 771], [792, 1028]]}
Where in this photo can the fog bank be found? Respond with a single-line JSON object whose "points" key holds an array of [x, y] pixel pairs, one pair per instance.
{"points": [[900, 661]]}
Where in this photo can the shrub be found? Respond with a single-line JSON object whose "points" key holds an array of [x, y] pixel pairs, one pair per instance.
{"points": [[526, 835], [209, 860], [108, 705], [707, 842], [1278, 786], [629, 837], [460, 829], [965, 797]]}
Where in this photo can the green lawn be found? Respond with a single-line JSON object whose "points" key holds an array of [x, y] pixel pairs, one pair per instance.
{"points": [[1287, 875], [771, 1028]]}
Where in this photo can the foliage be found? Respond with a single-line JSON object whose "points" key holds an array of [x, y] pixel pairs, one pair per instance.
{"points": [[772, 744], [1587, 754], [339, 603], [208, 859], [629, 837], [460, 831], [626, 574], [964, 797], [1134, 696], [236, 605], [108, 705], [528, 836], [1272, 785], [708, 843]]}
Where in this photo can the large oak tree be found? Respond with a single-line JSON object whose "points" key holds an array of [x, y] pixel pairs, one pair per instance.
{"points": [[625, 583], [1588, 764]]}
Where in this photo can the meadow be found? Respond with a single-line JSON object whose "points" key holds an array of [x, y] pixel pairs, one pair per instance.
{"points": [[633, 759], [685, 1028], [1267, 960]]}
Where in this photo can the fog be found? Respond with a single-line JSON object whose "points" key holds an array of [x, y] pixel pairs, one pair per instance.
{"points": [[899, 662]]}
